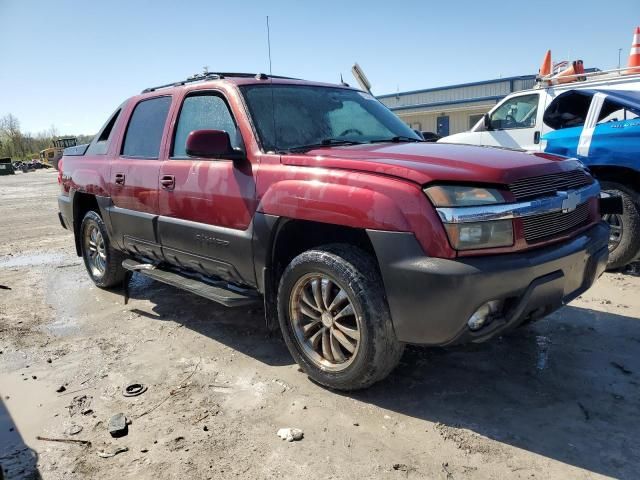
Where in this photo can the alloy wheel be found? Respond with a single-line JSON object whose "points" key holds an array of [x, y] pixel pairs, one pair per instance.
{"points": [[616, 230], [95, 251], [325, 322]]}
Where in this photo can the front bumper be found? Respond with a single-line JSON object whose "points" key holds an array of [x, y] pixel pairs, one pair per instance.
{"points": [[431, 299]]}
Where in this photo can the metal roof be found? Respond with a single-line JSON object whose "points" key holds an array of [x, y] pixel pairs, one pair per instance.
{"points": [[493, 98], [459, 85]]}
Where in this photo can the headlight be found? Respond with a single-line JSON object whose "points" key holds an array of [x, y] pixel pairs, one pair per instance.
{"points": [[472, 235], [462, 196]]}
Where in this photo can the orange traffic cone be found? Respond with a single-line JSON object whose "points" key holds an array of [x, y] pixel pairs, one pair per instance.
{"points": [[634, 54], [569, 74], [545, 68]]}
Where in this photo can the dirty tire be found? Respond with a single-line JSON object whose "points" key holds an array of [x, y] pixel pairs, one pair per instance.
{"points": [[378, 351], [114, 273], [629, 245]]}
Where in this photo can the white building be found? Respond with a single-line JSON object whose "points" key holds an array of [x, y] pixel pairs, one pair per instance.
{"points": [[452, 109]]}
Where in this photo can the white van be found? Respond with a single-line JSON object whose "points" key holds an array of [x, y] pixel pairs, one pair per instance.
{"points": [[516, 122], [597, 122]]}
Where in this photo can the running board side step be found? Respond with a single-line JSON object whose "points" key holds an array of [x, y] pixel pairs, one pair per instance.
{"points": [[218, 291]]}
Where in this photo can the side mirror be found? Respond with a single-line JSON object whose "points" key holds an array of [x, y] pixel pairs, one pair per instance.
{"points": [[487, 122], [212, 144]]}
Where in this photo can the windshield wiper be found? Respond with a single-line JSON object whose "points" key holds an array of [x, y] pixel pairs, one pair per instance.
{"points": [[328, 142], [397, 139]]}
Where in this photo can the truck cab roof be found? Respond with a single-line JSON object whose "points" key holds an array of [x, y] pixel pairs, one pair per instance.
{"points": [[217, 78]]}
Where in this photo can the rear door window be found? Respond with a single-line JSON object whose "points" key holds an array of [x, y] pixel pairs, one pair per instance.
{"points": [[614, 112], [144, 132], [203, 111]]}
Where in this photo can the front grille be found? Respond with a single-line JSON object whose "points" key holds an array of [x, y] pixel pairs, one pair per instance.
{"points": [[548, 185], [549, 225]]}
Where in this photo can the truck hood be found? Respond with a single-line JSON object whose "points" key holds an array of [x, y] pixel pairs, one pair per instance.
{"points": [[424, 163]]}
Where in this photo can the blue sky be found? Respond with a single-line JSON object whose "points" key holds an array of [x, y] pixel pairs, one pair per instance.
{"points": [[70, 63]]}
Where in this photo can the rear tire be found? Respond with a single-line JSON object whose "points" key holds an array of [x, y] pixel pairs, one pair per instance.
{"points": [[102, 261], [624, 243], [335, 319]]}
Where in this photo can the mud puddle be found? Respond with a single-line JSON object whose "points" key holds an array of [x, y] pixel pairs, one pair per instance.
{"points": [[28, 408], [32, 260]]}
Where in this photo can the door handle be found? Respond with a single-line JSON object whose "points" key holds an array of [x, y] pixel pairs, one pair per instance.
{"points": [[168, 182], [536, 137], [119, 179]]}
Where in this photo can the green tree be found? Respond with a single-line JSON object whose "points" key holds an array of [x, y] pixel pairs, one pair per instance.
{"points": [[23, 146]]}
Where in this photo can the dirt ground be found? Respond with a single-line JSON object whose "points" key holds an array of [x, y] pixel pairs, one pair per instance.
{"points": [[558, 399]]}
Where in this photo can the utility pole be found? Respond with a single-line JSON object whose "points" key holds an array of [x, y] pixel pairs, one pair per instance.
{"points": [[619, 53]]}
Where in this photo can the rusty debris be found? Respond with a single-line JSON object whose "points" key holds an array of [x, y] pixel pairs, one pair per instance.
{"points": [[134, 390]]}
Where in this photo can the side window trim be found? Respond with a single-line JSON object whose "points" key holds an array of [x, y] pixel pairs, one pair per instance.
{"points": [[131, 113], [199, 93], [100, 145], [108, 129]]}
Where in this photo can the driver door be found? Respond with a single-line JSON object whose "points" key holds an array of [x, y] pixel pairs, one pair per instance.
{"points": [[516, 123], [206, 206]]}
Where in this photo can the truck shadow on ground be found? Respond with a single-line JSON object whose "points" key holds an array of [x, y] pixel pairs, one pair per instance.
{"points": [[243, 328], [17, 460], [567, 387]]}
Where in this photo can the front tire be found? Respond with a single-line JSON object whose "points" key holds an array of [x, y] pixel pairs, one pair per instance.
{"points": [[335, 319], [102, 261], [624, 239]]}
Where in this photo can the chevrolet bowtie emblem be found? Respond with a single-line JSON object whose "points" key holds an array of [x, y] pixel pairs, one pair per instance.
{"points": [[570, 202]]}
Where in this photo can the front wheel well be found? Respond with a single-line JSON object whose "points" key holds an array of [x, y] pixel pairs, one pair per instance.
{"points": [[297, 236], [292, 237], [82, 203], [623, 175]]}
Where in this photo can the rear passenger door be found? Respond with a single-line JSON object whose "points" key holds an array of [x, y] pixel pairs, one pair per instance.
{"points": [[206, 206], [134, 178]]}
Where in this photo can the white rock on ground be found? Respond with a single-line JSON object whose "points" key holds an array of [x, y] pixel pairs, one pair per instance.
{"points": [[290, 434]]}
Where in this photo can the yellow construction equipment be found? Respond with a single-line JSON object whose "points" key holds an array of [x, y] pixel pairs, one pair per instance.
{"points": [[52, 155]]}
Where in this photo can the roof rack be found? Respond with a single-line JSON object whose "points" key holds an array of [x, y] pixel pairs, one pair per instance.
{"points": [[206, 75], [590, 75]]}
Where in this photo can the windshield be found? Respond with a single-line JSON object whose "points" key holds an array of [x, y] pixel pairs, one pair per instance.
{"points": [[288, 117]]}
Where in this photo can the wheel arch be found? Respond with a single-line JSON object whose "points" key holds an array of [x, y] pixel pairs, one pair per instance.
{"points": [[82, 203], [628, 180], [619, 174], [279, 240]]}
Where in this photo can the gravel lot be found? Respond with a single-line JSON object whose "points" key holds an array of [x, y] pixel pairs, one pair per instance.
{"points": [[558, 399]]}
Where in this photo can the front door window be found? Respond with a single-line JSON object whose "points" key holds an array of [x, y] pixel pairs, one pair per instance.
{"points": [[206, 111], [518, 112]]}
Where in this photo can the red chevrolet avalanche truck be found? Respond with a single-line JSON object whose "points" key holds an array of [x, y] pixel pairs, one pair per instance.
{"points": [[315, 199]]}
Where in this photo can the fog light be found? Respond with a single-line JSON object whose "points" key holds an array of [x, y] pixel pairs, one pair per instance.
{"points": [[484, 315]]}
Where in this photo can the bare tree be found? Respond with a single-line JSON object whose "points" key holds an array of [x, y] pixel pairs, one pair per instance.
{"points": [[53, 131], [13, 141], [18, 145]]}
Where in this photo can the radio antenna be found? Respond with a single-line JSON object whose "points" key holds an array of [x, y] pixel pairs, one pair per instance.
{"points": [[269, 44]]}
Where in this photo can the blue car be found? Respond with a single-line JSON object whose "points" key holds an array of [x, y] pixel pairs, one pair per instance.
{"points": [[602, 128]]}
